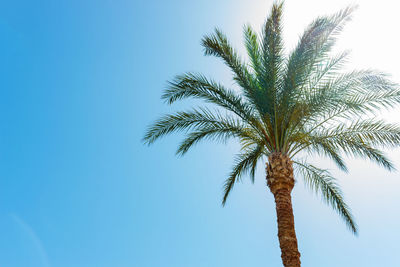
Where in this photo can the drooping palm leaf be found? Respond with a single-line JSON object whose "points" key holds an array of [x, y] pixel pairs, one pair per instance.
{"points": [[322, 183]]}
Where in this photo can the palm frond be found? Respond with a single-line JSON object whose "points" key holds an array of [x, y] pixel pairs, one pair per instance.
{"points": [[322, 183], [352, 94], [198, 86], [245, 161], [221, 133], [325, 71], [182, 121], [358, 141], [313, 48], [272, 56], [217, 44], [253, 49], [324, 147], [371, 131]]}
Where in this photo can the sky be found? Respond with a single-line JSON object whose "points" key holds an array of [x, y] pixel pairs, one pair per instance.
{"points": [[80, 82]]}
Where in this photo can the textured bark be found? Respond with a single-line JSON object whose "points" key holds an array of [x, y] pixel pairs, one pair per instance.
{"points": [[280, 181]]}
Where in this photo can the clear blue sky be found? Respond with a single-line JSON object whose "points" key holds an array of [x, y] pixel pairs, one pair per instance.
{"points": [[80, 81]]}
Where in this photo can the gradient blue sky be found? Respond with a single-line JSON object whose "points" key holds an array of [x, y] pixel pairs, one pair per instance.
{"points": [[80, 80]]}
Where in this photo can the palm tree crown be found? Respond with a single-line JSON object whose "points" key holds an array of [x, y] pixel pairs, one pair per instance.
{"points": [[301, 102]]}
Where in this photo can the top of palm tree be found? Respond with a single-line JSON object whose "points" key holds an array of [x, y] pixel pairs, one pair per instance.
{"points": [[301, 102]]}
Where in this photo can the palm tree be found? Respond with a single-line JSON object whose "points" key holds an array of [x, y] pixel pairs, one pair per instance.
{"points": [[287, 107]]}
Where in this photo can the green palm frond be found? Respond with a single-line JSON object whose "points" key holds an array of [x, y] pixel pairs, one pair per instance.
{"points": [[198, 86], [344, 97], [219, 133], [360, 139], [201, 118], [245, 162], [272, 57], [251, 42], [325, 71], [371, 131], [326, 148], [217, 44], [313, 48], [353, 94], [321, 182], [360, 149]]}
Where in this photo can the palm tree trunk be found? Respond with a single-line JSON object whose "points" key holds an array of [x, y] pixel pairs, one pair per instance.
{"points": [[280, 181]]}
